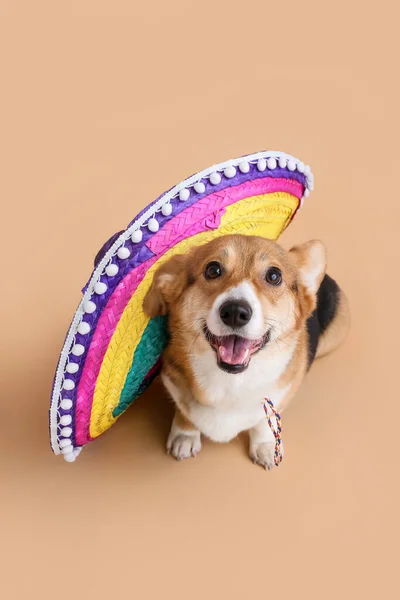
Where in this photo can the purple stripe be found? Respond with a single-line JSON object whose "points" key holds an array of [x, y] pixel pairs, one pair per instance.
{"points": [[125, 266], [178, 206], [239, 178], [105, 248]]}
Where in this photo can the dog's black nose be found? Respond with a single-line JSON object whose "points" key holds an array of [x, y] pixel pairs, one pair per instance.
{"points": [[235, 313]]}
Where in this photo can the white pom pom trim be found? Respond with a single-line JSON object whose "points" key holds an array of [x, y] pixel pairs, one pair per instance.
{"points": [[261, 164], [83, 328], [137, 236], [71, 456], [66, 432], [184, 195], [123, 253], [199, 187], [68, 384], [66, 404], [65, 443], [230, 172], [112, 270], [166, 210], [78, 350], [100, 288], [89, 307], [153, 225], [215, 178]]}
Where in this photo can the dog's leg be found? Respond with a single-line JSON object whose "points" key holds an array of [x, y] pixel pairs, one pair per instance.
{"points": [[262, 445], [184, 439]]}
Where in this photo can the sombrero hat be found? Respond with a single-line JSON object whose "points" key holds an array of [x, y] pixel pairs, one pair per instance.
{"points": [[112, 350]]}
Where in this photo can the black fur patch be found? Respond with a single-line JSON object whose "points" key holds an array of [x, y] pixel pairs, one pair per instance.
{"points": [[323, 315]]}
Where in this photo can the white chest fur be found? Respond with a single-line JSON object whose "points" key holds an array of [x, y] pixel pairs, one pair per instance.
{"points": [[235, 402]]}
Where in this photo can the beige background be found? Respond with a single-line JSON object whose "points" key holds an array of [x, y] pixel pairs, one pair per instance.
{"points": [[103, 105]]}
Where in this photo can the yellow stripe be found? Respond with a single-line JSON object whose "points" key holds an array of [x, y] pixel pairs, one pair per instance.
{"points": [[266, 215]]}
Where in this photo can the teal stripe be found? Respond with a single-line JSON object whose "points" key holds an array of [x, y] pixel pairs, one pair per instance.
{"points": [[151, 346]]}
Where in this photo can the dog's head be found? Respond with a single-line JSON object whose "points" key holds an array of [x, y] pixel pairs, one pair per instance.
{"points": [[236, 295]]}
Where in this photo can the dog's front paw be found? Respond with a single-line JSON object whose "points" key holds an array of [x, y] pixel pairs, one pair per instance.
{"points": [[263, 454], [182, 445]]}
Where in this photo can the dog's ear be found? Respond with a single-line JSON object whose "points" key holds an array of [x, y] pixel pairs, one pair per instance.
{"points": [[169, 282], [310, 259]]}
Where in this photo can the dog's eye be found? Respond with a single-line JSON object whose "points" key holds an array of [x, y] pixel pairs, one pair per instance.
{"points": [[273, 276], [213, 270]]}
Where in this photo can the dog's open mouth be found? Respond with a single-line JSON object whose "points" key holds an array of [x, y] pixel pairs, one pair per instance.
{"points": [[233, 351]]}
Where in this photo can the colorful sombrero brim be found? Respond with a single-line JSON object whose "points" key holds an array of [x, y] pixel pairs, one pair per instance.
{"points": [[112, 350]]}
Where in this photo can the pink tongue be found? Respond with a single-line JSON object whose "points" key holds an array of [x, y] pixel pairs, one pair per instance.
{"points": [[232, 349]]}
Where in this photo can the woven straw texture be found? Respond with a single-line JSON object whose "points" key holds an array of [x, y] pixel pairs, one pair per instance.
{"points": [[116, 382], [205, 214]]}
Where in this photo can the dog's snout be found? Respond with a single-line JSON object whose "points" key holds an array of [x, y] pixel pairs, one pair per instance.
{"points": [[235, 313]]}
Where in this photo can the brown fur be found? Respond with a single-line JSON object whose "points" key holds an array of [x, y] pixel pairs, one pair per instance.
{"points": [[180, 288]]}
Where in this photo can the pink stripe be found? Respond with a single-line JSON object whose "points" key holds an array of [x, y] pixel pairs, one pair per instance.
{"points": [[101, 338], [165, 237], [204, 214]]}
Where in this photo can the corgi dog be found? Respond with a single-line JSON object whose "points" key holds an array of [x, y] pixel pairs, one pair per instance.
{"points": [[246, 319]]}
